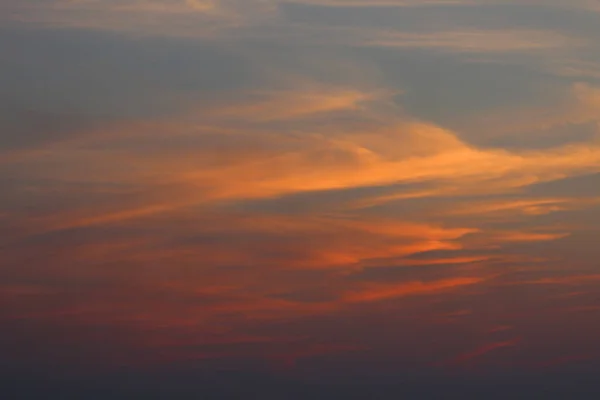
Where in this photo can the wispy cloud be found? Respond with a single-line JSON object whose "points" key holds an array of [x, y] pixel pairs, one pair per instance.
{"points": [[364, 168]]}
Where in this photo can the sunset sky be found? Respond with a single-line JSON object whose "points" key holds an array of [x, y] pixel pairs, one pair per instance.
{"points": [[292, 193]]}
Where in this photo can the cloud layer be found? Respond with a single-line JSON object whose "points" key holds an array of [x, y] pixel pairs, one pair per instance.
{"points": [[276, 181]]}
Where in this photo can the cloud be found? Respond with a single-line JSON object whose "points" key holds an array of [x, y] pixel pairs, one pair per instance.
{"points": [[377, 292], [179, 232], [567, 280], [519, 207], [298, 103], [236, 153], [482, 351], [183, 18], [274, 20], [477, 41], [578, 104]]}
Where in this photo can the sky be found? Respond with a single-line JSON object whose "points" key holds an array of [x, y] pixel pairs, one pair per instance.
{"points": [[299, 198]]}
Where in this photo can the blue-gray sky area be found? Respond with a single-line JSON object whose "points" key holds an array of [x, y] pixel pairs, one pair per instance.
{"points": [[303, 198]]}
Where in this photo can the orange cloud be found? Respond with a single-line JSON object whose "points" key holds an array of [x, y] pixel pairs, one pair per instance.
{"points": [[377, 292], [225, 163], [578, 104], [481, 351], [567, 280], [301, 102], [527, 236], [474, 41], [525, 206], [210, 229]]}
